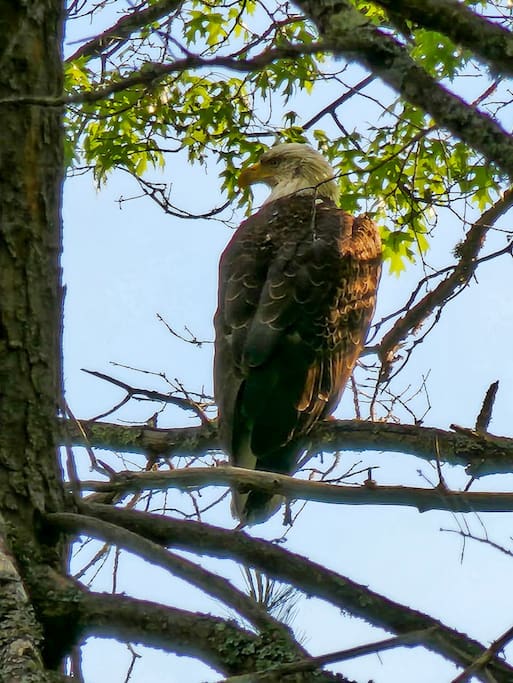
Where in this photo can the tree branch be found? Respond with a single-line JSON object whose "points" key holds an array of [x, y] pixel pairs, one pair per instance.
{"points": [[487, 41], [153, 72], [154, 441], [170, 629], [291, 488], [123, 29], [308, 576], [212, 584], [78, 613], [459, 278], [480, 663], [220, 643], [483, 454], [333, 106], [350, 34], [276, 672], [135, 392]]}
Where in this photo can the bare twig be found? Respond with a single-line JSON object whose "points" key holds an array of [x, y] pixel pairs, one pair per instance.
{"points": [[192, 339], [123, 29], [441, 481], [466, 535], [158, 192], [135, 657], [333, 106], [134, 392], [72, 473], [508, 249], [100, 555]]}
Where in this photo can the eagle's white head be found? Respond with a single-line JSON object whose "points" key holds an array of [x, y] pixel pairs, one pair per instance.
{"points": [[292, 167]]}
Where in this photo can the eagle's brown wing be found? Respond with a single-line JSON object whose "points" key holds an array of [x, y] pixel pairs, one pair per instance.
{"points": [[296, 296]]}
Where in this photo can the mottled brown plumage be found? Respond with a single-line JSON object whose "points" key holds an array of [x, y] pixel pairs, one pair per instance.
{"points": [[297, 289]]}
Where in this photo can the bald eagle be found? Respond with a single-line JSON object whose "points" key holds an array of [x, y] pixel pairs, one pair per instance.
{"points": [[297, 291]]}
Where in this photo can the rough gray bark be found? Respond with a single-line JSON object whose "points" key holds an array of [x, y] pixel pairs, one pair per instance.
{"points": [[31, 167], [20, 634]]}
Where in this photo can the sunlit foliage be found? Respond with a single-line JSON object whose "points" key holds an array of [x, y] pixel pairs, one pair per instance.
{"points": [[394, 164]]}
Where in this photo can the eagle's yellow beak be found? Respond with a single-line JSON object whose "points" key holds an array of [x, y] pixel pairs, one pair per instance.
{"points": [[252, 174]]}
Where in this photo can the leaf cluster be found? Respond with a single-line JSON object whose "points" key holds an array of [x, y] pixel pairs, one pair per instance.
{"points": [[401, 168]]}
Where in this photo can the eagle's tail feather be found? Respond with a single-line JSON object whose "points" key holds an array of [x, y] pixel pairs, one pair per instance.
{"points": [[256, 506]]}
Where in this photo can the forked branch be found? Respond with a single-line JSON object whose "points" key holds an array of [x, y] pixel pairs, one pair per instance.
{"points": [[306, 575], [455, 281]]}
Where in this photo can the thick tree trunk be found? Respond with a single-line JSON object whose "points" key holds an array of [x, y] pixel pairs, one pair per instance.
{"points": [[31, 165]]}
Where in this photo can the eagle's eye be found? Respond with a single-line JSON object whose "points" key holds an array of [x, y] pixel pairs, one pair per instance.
{"points": [[273, 162]]}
